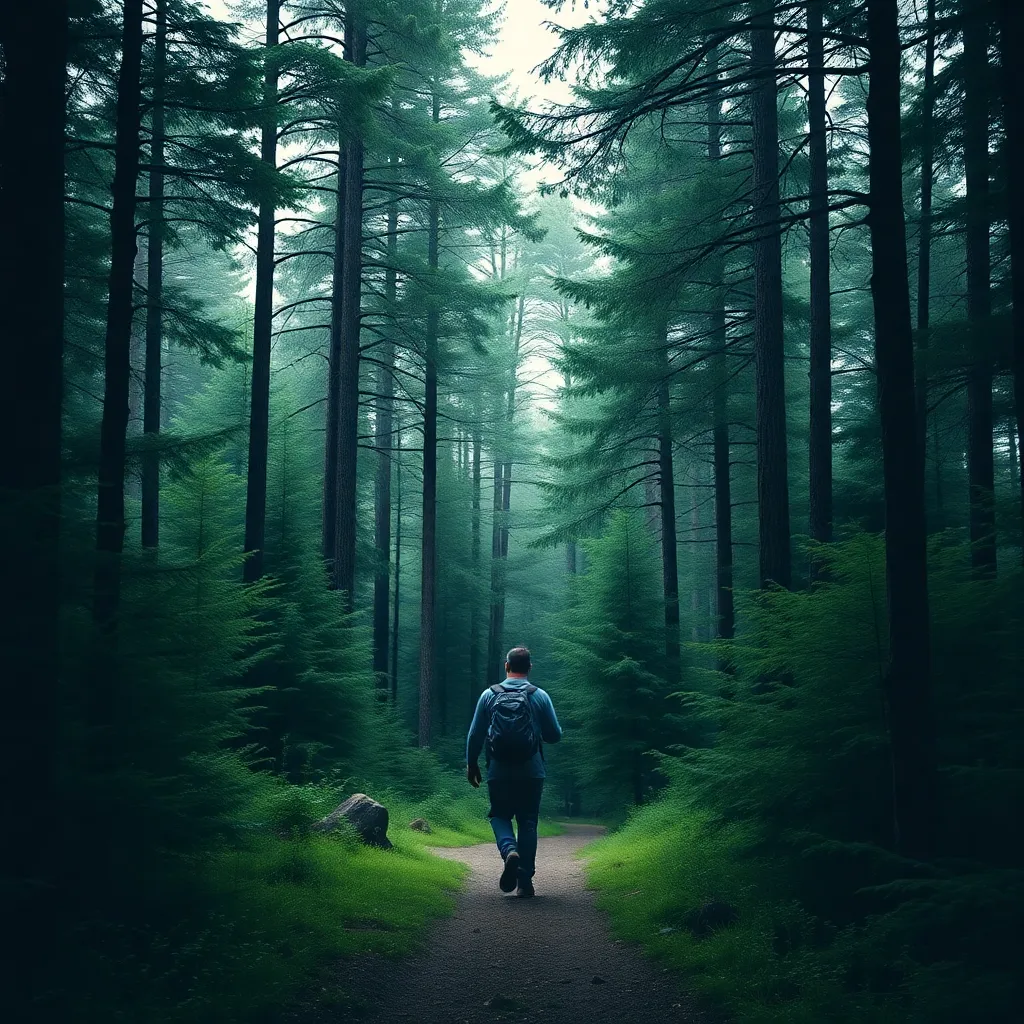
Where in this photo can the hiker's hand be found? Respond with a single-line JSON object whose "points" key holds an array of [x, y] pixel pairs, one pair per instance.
{"points": [[473, 775]]}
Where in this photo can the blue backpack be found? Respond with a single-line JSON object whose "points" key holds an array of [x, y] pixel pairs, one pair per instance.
{"points": [[512, 735]]}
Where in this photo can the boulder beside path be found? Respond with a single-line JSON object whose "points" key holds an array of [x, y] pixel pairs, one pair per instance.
{"points": [[368, 817]]}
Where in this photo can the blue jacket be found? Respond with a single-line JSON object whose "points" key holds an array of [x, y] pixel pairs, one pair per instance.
{"points": [[547, 721]]}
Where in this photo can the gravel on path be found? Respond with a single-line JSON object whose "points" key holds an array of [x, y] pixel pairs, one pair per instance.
{"points": [[503, 958]]}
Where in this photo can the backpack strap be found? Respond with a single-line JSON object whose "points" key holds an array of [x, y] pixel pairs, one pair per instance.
{"points": [[530, 689], [497, 688]]}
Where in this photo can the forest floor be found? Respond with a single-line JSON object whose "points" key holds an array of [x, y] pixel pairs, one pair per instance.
{"points": [[551, 958]]}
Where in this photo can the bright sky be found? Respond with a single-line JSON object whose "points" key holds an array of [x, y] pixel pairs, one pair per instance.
{"points": [[525, 42]]}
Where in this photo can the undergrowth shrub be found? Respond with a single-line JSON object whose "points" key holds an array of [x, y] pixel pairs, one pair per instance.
{"points": [[786, 817]]}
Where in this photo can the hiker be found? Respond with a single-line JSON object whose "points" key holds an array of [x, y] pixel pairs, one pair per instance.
{"points": [[513, 720]]}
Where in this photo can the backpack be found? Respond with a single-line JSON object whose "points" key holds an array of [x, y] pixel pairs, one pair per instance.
{"points": [[512, 735]]}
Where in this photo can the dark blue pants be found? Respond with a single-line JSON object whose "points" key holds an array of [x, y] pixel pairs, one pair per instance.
{"points": [[519, 799]]}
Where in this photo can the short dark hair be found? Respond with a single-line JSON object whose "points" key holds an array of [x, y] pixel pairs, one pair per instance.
{"points": [[518, 659]]}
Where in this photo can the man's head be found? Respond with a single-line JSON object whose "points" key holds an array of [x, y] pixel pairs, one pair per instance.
{"points": [[517, 661]]}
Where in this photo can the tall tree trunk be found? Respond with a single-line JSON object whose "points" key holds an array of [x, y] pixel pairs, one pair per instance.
{"points": [[497, 607], [154, 289], [667, 487], [110, 522], [1011, 15], [329, 530], [1011, 445], [506, 502], [821, 288], [474, 555], [398, 561], [263, 321], [769, 366], [503, 488], [924, 252], [32, 108], [428, 592], [351, 302], [725, 610], [980, 461], [385, 444], [907, 683]]}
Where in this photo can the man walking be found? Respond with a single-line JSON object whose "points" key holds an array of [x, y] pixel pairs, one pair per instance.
{"points": [[512, 721]]}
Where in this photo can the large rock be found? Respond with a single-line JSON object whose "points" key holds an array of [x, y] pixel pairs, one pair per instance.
{"points": [[365, 815]]}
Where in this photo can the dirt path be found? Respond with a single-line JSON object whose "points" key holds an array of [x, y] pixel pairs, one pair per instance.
{"points": [[546, 959]]}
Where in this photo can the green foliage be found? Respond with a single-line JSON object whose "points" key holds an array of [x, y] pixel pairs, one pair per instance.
{"points": [[610, 647], [786, 816]]}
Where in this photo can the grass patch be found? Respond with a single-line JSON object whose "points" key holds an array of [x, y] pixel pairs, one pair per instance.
{"points": [[243, 936], [768, 967], [257, 932], [935, 950]]}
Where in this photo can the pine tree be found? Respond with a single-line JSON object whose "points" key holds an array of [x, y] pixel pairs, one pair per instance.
{"points": [[256, 477], [980, 465], [1011, 37], [616, 661], [110, 520], [907, 680], [772, 481], [33, 110], [821, 298]]}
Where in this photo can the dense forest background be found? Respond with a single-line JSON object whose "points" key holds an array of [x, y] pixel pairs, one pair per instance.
{"points": [[313, 403]]}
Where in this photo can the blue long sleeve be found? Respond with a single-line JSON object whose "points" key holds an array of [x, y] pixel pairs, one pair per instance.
{"points": [[478, 729], [550, 730]]}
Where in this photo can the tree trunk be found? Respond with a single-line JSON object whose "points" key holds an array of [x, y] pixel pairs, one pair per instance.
{"points": [[154, 289], [506, 502], [503, 492], [474, 611], [398, 561], [385, 443], [497, 607], [725, 610], [1011, 46], [821, 288], [351, 302], [329, 529], [110, 522], [667, 487], [1011, 444], [263, 322], [907, 683], [980, 461], [924, 252], [428, 584], [32, 106], [769, 367]]}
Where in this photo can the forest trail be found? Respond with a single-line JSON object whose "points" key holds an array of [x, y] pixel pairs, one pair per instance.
{"points": [[556, 946]]}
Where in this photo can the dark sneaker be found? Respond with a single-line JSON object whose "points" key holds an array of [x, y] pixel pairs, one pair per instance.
{"points": [[525, 889], [507, 882]]}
